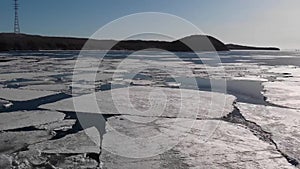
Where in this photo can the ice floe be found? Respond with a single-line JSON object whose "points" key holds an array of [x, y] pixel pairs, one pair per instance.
{"points": [[283, 93], [282, 123], [230, 146], [5, 104], [23, 95], [49, 87], [150, 101], [71, 144], [21, 119], [16, 141], [284, 90]]}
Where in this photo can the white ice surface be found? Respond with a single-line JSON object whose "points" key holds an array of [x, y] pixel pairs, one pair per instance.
{"points": [[150, 101], [22, 95], [284, 90], [230, 146], [21, 119], [282, 123]]}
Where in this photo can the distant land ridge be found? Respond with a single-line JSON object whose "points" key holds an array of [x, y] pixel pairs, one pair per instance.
{"points": [[13, 42], [241, 47]]}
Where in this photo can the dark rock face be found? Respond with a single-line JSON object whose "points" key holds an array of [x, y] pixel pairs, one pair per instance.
{"points": [[201, 43], [240, 47], [187, 44], [10, 41]]}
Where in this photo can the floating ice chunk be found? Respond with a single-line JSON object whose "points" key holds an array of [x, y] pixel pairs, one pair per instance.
{"points": [[59, 125], [284, 69], [288, 73], [51, 87], [89, 77], [21, 119], [5, 104], [11, 142], [253, 78], [141, 82], [26, 75], [150, 101], [78, 143], [173, 84], [116, 71], [22, 95], [227, 70]]}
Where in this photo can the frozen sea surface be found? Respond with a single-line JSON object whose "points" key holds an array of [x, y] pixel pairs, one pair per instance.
{"points": [[255, 127]]}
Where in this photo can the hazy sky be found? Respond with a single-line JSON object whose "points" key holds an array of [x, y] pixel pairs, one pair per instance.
{"points": [[254, 22]]}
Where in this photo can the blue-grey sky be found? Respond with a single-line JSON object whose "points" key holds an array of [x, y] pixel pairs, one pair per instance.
{"points": [[254, 22]]}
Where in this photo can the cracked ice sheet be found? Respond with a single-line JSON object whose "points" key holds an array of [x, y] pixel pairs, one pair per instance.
{"points": [[23, 95], [234, 71], [21, 119], [282, 123], [47, 87], [150, 102], [31, 159], [177, 68], [26, 75], [284, 91], [15, 141], [230, 146], [67, 152], [293, 73], [77, 143]]}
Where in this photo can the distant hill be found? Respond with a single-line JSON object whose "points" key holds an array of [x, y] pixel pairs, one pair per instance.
{"points": [[190, 43], [11, 41], [241, 47], [201, 43]]}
